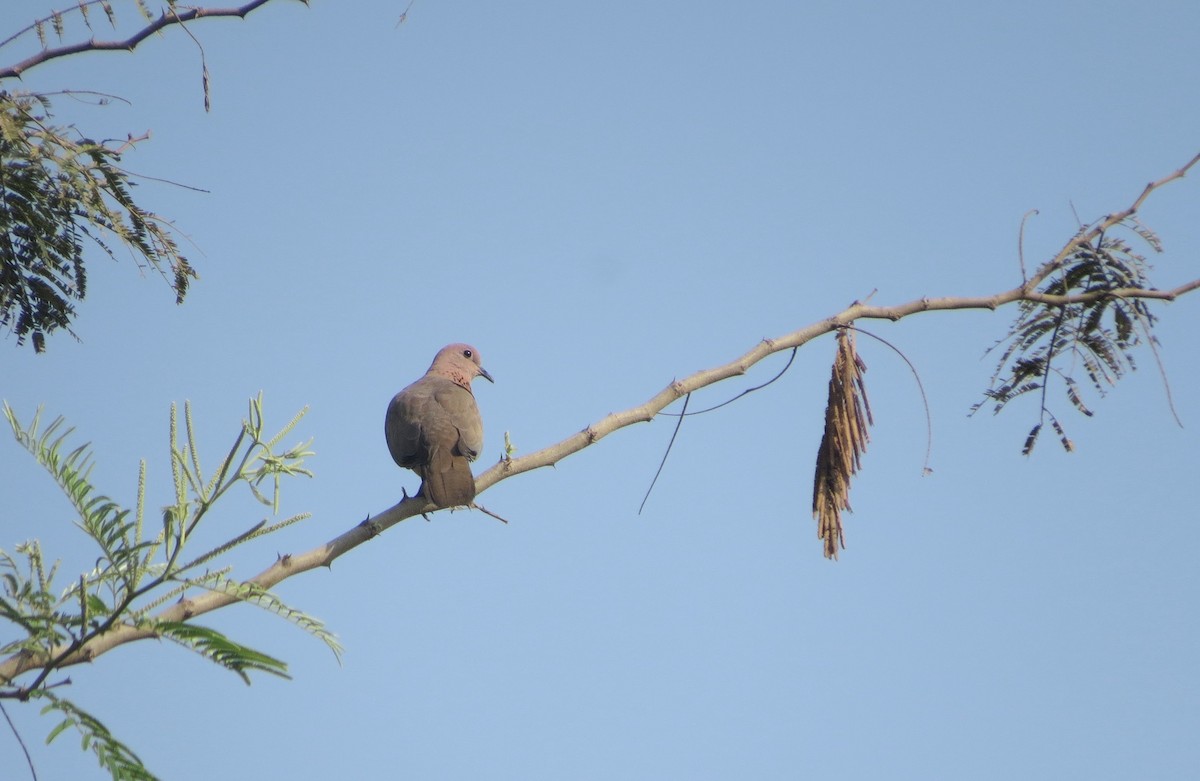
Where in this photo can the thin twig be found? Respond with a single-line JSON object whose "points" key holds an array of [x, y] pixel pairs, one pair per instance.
{"points": [[129, 44], [404, 15], [925, 470], [486, 511], [1021, 241], [74, 93], [45, 20], [743, 393], [203, 60], [1086, 236], [663, 463], [20, 742], [1162, 372]]}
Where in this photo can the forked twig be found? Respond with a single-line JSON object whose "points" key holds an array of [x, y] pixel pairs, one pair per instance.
{"points": [[164, 20]]}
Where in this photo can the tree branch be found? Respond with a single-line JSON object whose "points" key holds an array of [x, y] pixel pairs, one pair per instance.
{"points": [[324, 555], [1088, 235], [166, 19]]}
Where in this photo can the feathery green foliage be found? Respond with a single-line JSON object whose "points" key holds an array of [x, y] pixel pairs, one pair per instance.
{"points": [[58, 189], [218, 648], [1095, 337], [135, 574], [113, 755]]}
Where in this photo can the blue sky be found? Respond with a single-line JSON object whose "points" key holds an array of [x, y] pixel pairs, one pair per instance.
{"points": [[601, 199]]}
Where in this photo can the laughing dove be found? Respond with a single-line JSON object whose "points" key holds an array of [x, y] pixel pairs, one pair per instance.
{"points": [[433, 426]]}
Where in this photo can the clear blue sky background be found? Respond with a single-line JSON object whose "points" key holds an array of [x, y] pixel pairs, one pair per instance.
{"points": [[603, 198]]}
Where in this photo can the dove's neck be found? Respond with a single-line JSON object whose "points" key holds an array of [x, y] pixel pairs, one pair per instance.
{"points": [[458, 378]]}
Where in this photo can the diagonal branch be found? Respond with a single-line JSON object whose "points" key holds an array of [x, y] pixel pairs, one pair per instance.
{"points": [[165, 19], [1100, 227], [324, 555]]}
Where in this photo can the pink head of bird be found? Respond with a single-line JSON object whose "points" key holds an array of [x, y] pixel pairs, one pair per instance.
{"points": [[461, 363]]}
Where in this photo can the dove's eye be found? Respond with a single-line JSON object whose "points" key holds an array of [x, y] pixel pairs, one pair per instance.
{"points": [[466, 353]]}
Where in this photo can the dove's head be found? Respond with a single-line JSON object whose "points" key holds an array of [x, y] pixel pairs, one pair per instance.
{"points": [[459, 362]]}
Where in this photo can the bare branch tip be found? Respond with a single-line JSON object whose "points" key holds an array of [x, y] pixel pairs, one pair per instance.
{"points": [[486, 511]]}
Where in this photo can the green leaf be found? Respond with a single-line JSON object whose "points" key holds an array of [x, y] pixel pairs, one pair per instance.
{"points": [[218, 648], [62, 726], [257, 595], [112, 755]]}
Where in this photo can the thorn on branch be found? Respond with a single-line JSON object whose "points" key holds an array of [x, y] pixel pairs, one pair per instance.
{"points": [[372, 528], [63, 682]]}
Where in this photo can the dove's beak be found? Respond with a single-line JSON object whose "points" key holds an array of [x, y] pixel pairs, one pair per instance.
{"points": [[484, 374]]}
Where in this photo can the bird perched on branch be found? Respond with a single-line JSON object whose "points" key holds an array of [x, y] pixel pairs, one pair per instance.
{"points": [[433, 426]]}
